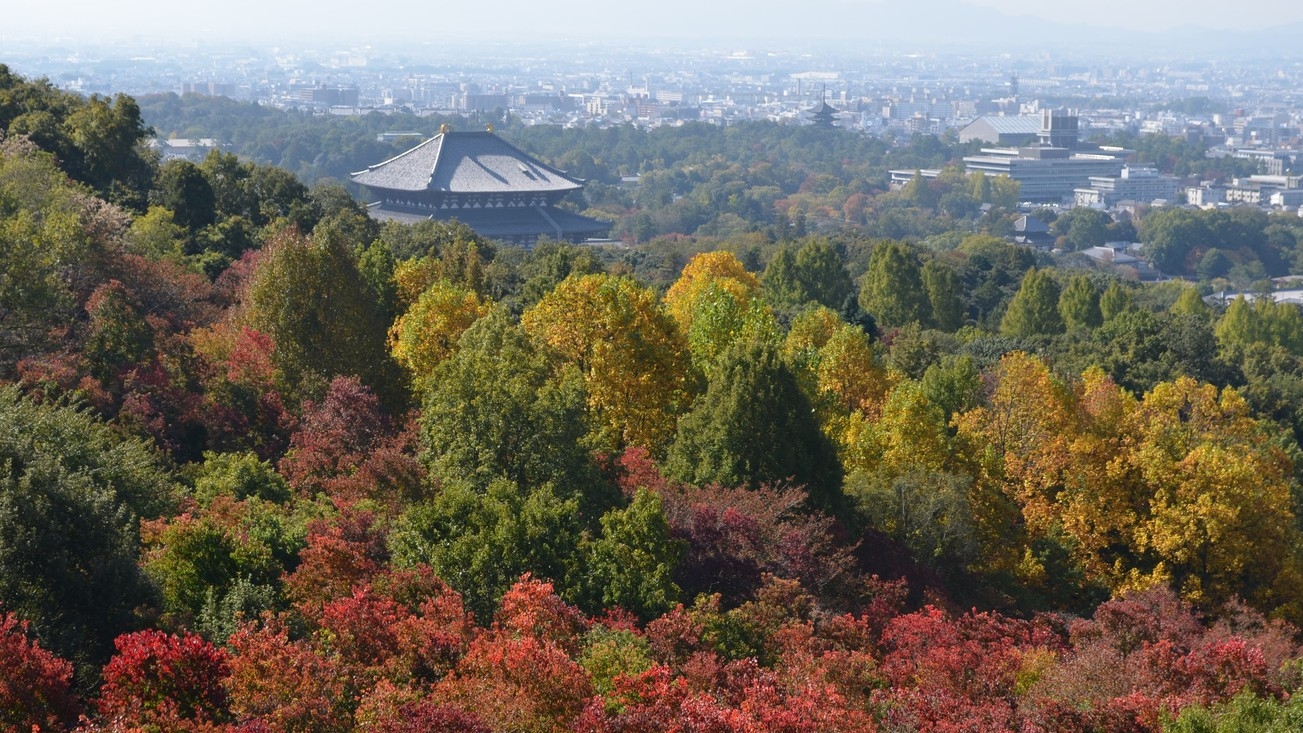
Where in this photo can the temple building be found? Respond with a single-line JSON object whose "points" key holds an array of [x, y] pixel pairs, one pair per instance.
{"points": [[482, 181], [825, 115]]}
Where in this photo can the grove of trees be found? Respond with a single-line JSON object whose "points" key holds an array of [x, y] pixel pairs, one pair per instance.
{"points": [[267, 465]]}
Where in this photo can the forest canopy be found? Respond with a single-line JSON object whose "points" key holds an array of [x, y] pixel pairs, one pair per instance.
{"points": [[834, 458]]}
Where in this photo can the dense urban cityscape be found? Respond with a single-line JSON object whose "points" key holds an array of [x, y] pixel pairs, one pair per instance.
{"points": [[1237, 106]]}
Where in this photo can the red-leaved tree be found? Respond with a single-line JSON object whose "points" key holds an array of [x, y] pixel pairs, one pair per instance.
{"points": [[284, 686], [165, 682], [35, 685]]}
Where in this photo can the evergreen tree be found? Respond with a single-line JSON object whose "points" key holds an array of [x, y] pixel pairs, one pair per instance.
{"points": [[480, 541], [822, 272], [632, 565], [755, 426], [1079, 304], [497, 409], [945, 295], [72, 493], [1115, 301], [182, 187], [781, 283], [1034, 309], [892, 289]]}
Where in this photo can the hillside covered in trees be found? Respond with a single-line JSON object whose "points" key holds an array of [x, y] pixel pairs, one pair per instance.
{"points": [[266, 465]]}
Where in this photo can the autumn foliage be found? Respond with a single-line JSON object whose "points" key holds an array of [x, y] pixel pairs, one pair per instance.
{"points": [[270, 466]]}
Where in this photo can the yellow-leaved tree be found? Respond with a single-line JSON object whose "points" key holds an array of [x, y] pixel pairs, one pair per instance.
{"points": [[1020, 441], [1182, 487], [719, 267], [1219, 521], [634, 359], [717, 303], [837, 369], [428, 332]]}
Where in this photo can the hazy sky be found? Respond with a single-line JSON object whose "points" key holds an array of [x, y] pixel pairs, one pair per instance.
{"points": [[262, 20], [1158, 14]]}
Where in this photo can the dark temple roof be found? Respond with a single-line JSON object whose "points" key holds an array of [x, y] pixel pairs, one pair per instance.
{"points": [[507, 222], [466, 162]]}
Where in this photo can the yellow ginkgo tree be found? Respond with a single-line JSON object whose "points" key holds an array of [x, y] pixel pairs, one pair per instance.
{"points": [[634, 359]]}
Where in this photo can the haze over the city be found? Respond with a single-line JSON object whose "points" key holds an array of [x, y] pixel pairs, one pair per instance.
{"points": [[973, 22]]}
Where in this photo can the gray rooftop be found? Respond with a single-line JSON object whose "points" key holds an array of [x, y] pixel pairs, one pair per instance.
{"points": [[1016, 125], [466, 162]]}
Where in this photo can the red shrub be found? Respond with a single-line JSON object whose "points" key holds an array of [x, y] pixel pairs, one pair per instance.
{"points": [[284, 685], [341, 554], [531, 609], [518, 684], [35, 685], [162, 680]]}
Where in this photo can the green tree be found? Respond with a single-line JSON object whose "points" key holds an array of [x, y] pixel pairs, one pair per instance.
{"points": [[550, 263], [260, 194], [182, 187], [499, 409], [322, 316], [822, 272], [632, 565], [892, 289], [1114, 301], [945, 295], [1034, 310], [118, 336], [1079, 304], [918, 193], [1266, 321], [480, 541], [979, 187], [754, 426], [1170, 235], [1215, 263], [376, 264], [1190, 302], [781, 283], [953, 384], [1140, 349], [72, 492], [109, 137], [1246, 713], [1082, 228], [47, 253], [1005, 192], [239, 476], [155, 235]]}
